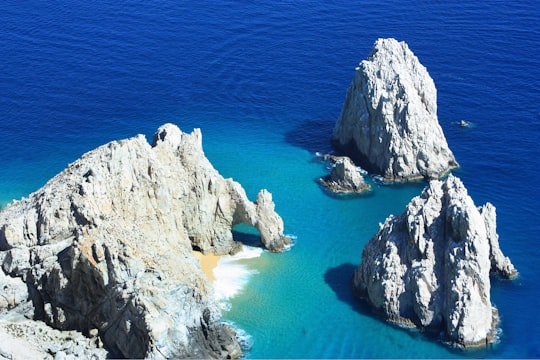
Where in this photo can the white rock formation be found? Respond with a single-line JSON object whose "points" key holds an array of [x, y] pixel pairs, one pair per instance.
{"points": [[105, 247], [344, 177], [430, 266], [389, 119]]}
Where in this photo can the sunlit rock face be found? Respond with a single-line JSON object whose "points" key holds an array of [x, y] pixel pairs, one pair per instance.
{"points": [[105, 247], [388, 122], [430, 266]]}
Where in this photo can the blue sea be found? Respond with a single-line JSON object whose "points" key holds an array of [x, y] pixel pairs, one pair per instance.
{"points": [[265, 82]]}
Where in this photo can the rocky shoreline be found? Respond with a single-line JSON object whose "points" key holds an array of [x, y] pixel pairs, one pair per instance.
{"points": [[105, 248], [107, 259]]}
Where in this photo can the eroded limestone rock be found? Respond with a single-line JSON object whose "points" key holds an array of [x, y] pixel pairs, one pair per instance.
{"points": [[389, 119], [344, 176], [106, 246], [430, 266]]}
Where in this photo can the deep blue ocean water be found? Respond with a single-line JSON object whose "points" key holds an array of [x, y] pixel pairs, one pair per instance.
{"points": [[265, 83]]}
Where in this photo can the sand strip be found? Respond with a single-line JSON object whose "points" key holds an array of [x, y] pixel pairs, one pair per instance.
{"points": [[208, 263]]}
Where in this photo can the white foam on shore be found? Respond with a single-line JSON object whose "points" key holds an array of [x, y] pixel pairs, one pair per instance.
{"points": [[245, 339], [362, 171], [232, 274], [293, 242]]}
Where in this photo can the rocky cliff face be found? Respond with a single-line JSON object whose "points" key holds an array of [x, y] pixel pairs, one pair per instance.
{"points": [[430, 266], [389, 119], [105, 247]]}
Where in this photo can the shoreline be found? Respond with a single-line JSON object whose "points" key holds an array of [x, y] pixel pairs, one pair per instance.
{"points": [[208, 263]]}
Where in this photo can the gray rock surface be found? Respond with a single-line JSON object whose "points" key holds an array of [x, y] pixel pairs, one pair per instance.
{"points": [[105, 247], [430, 266], [344, 177], [23, 339], [389, 119]]}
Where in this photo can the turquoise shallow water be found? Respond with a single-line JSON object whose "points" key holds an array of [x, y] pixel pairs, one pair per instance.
{"points": [[299, 304], [265, 83]]}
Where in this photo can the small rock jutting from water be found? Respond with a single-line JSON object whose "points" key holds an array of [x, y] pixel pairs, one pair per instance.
{"points": [[464, 124], [344, 177]]}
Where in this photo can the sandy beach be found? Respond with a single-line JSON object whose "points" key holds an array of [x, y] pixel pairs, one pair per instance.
{"points": [[208, 263]]}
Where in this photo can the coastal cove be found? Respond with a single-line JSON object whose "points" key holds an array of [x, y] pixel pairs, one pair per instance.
{"points": [[266, 85]]}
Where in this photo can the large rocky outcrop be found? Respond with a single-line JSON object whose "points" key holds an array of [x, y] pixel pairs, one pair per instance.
{"points": [[389, 119], [430, 266], [105, 247]]}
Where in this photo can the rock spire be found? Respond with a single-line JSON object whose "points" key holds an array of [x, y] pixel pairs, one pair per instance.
{"points": [[388, 122], [430, 266]]}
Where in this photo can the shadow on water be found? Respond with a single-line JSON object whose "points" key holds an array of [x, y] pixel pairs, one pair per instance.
{"points": [[339, 279], [312, 135], [248, 239]]}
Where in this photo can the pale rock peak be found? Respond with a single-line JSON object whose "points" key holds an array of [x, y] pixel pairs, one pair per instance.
{"points": [[389, 118], [430, 266], [172, 135]]}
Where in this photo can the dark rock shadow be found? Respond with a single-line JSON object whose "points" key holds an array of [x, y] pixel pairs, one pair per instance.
{"points": [[247, 239], [339, 279], [312, 135]]}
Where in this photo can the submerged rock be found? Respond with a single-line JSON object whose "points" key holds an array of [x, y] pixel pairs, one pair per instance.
{"points": [[429, 267], [389, 119], [106, 247], [344, 177]]}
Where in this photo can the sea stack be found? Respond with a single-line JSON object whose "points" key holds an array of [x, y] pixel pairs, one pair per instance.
{"points": [[106, 248], [344, 177], [388, 122], [430, 266]]}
